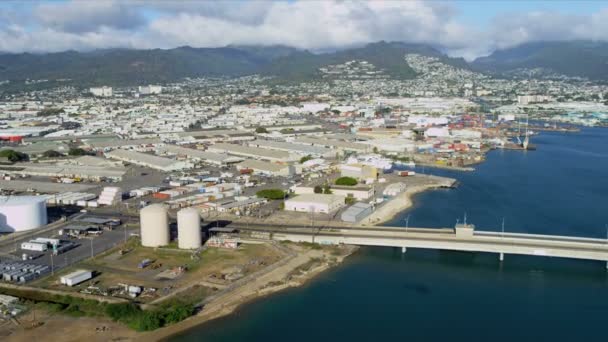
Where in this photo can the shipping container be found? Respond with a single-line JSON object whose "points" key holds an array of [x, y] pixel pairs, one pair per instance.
{"points": [[76, 277], [160, 195]]}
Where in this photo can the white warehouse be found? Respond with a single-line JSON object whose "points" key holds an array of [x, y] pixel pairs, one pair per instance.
{"points": [[20, 213], [315, 203]]}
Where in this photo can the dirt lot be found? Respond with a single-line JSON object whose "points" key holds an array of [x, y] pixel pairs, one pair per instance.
{"points": [[213, 268]]}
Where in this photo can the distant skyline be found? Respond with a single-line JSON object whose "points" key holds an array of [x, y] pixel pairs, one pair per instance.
{"points": [[464, 28]]}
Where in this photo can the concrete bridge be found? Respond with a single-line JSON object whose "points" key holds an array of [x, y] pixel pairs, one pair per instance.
{"points": [[462, 238]]}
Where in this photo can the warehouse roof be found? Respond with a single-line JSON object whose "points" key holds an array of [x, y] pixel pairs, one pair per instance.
{"points": [[332, 143], [209, 132], [138, 157], [67, 170], [123, 142], [261, 165], [316, 198], [250, 151], [48, 187], [286, 146], [203, 155]]}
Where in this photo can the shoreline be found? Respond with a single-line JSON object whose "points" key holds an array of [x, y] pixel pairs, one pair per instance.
{"points": [[384, 213], [280, 276], [231, 301], [402, 202]]}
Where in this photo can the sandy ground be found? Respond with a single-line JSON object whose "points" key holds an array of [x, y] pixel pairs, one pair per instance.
{"points": [[402, 202], [396, 205], [64, 328]]}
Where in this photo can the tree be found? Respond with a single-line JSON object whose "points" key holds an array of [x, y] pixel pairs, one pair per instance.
{"points": [[50, 112], [350, 200], [13, 155], [272, 194], [326, 189], [305, 159], [261, 130], [375, 149], [77, 152], [348, 181], [52, 154], [318, 189]]}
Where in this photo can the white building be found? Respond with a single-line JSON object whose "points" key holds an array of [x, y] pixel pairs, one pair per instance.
{"points": [[358, 192], [437, 132], [527, 99], [315, 203], [101, 91], [150, 89]]}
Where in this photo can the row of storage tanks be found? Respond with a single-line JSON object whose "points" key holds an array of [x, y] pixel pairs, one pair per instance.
{"points": [[154, 221]]}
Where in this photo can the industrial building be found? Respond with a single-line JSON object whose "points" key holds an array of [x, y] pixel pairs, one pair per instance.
{"points": [[20, 213], [358, 192], [304, 150], [95, 173], [252, 152], [335, 144], [266, 168], [357, 212], [154, 222], [218, 159], [315, 203], [148, 160], [113, 143], [359, 171]]}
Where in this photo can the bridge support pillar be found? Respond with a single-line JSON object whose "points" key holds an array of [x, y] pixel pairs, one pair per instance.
{"points": [[502, 257], [403, 250]]}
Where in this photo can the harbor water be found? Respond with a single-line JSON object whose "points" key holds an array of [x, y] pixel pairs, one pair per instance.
{"points": [[428, 295]]}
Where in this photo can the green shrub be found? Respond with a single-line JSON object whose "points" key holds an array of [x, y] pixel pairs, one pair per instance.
{"points": [[13, 156], [273, 194], [348, 181]]}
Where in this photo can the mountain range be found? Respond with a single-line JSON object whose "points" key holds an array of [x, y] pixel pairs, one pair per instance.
{"points": [[133, 67]]}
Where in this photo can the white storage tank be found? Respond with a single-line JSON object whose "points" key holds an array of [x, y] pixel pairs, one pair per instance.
{"points": [[189, 228], [154, 224], [19, 213]]}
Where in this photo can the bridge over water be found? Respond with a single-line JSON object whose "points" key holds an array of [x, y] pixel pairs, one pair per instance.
{"points": [[461, 238]]}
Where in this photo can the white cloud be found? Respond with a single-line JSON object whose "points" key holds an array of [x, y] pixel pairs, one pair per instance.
{"points": [[88, 16], [83, 25]]}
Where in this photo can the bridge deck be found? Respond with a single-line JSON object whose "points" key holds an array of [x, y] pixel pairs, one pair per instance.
{"points": [[445, 238]]}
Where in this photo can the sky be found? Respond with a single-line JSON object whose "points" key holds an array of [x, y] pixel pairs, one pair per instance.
{"points": [[461, 28]]}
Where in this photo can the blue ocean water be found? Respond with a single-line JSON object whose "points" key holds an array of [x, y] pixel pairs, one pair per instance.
{"points": [[426, 295]]}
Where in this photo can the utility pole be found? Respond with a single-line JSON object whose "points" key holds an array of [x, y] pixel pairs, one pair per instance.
{"points": [[503, 228], [407, 222], [52, 265], [91, 247]]}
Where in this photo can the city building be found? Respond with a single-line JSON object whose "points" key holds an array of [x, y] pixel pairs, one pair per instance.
{"points": [[101, 91]]}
